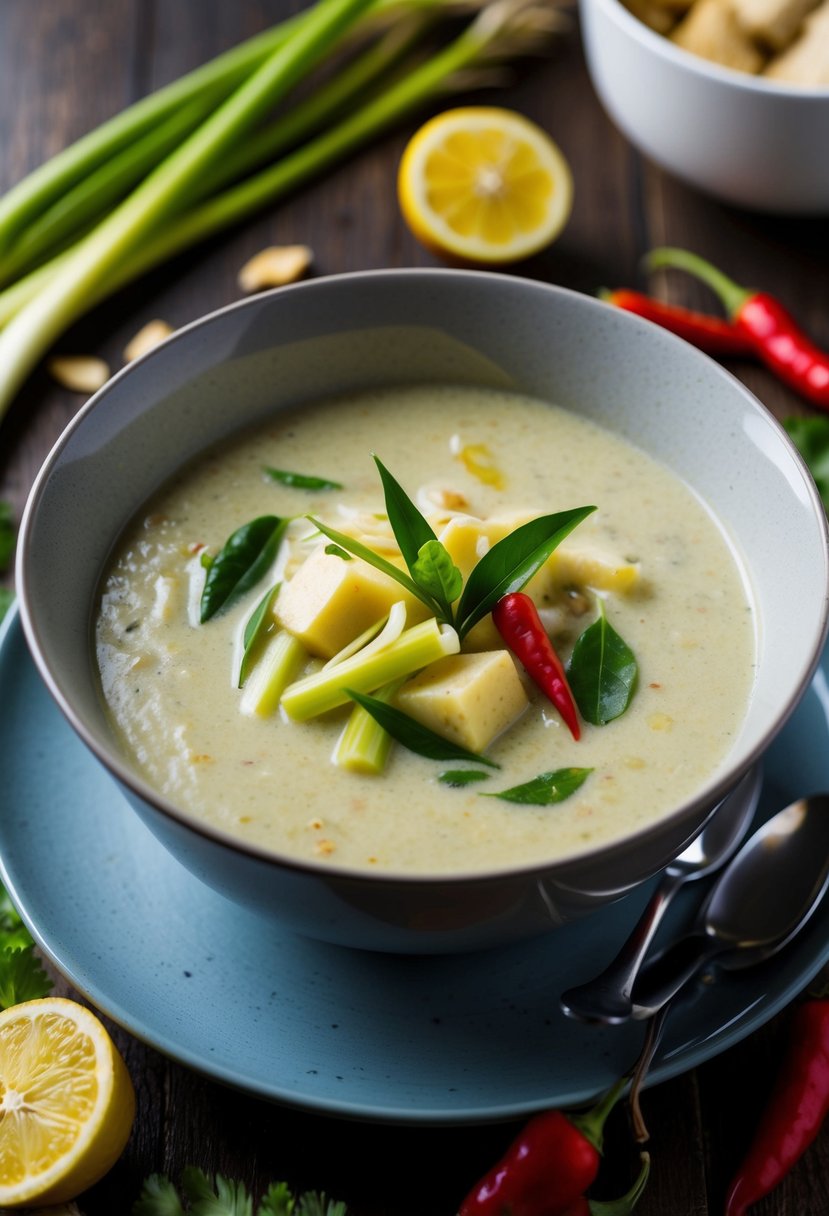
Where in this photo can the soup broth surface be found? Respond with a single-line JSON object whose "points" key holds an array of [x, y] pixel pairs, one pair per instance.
{"points": [[170, 683]]}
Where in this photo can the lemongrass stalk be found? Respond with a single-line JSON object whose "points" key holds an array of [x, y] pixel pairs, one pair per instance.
{"points": [[279, 664], [32, 331], [415, 648], [376, 637], [75, 211], [364, 746], [14, 298], [307, 116], [417, 88], [316, 110], [50, 180]]}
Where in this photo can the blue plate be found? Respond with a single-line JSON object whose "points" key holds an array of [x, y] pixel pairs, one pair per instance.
{"points": [[420, 1040]]}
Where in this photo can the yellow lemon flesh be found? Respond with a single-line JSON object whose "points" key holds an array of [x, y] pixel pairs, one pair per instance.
{"points": [[484, 185], [66, 1102]]}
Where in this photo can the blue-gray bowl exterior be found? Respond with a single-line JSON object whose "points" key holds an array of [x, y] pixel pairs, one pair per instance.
{"points": [[236, 367]]}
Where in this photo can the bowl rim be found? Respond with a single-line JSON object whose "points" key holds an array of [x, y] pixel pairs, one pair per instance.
{"points": [[119, 768], [696, 65]]}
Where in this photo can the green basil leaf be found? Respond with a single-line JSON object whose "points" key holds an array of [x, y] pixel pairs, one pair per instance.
{"points": [[436, 573], [546, 788], [602, 673], [412, 735], [374, 559], [411, 530], [510, 564], [811, 438], [258, 625], [6, 600], [457, 777], [7, 535], [301, 481], [336, 551], [244, 559]]}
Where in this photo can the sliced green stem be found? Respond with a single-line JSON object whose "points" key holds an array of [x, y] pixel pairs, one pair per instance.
{"points": [[75, 211], [316, 110], [41, 187], [415, 648], [279, 664], [364, 745], [84, 275]]}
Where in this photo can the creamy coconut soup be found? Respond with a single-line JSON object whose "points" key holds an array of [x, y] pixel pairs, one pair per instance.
{"points": [[290, 762]]}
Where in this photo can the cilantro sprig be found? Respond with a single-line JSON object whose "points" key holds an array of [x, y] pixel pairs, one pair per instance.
{"points": [[200, 1195], [22, 977], [432, 575]]}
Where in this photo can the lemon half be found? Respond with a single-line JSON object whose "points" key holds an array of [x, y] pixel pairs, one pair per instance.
{"points": [[484, 185], [66, 1102]]}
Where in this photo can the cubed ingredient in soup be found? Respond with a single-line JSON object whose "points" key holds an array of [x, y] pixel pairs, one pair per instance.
{"points": [[297, 647]]}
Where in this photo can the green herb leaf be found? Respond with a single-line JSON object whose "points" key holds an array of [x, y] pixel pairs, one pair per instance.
{"points": [[22, 977], [7, 535], [411, 530], [510, 564], [244, 559], [436, 573], [374, 559], [811, 438], [412, 734], [158, 1198], [458, 777], [227, 1199], [206, 560], [336, 551], [603, 672], [6, 600], [314, 1204], [260, 622], [301, 481], [277, 1201], [546, 788]]}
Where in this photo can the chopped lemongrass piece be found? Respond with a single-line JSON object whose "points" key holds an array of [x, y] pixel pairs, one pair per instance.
{"points": [[364, 745], [376, 638], [79, 373], [148, 336], [279, 664], [275, 267], [415, 648]]}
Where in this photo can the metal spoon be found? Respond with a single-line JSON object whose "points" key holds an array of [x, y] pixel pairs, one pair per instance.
{"points": [[606, 999], [755, 907]]}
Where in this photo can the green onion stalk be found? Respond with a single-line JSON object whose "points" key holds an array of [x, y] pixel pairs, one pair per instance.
{"points": [[148, 228]]}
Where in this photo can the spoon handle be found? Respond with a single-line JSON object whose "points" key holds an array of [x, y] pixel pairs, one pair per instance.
{"points": [[670, 971], [607, 998]]}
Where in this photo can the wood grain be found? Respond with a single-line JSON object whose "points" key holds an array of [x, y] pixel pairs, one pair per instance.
{"points": [[66, 65]]}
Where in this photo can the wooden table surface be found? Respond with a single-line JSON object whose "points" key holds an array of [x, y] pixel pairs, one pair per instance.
{"points": [[65, 66]]}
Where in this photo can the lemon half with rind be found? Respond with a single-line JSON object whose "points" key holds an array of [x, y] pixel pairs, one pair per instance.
{"points": [[484, 185], [67, 1104]]}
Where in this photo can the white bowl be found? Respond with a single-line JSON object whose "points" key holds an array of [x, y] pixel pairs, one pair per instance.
{"points": [[749, 141], [281, 349]]}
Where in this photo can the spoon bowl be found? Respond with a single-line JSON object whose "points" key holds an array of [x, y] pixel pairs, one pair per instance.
{"points": [[606, 1000], [756, 906]]}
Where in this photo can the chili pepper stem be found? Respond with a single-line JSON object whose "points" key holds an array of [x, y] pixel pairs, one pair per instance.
{"points": [[732, 295], [591, 1123], [627, 1202]]}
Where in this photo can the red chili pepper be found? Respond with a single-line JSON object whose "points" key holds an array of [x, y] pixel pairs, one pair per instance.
{"points": [[793, 1117], [548, 1166], [714, 335], [516, 619], [771, 329]]}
